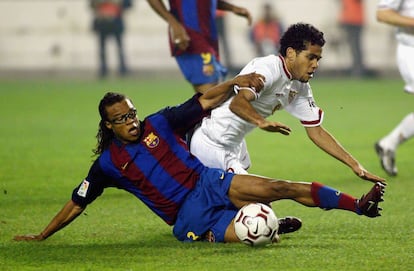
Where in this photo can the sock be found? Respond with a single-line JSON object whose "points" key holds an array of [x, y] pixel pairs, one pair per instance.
{"points": [[328, 198], [403, 131], [407, 127]]}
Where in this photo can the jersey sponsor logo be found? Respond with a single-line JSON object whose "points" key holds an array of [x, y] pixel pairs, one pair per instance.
{"points": [[124, 166], [152, 140], [83, 189], [312, 103]]}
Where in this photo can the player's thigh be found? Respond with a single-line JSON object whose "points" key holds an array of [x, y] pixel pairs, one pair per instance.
{"points": [[245, 189], [405, 61], [201, 69], [209, 154], [230, 235]]}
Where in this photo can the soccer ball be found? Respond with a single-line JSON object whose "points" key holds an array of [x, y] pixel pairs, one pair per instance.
{"points": [[256, 224]]}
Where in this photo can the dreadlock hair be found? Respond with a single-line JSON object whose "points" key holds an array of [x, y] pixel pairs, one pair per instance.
{"points": [[298, 36], [105, 135]]}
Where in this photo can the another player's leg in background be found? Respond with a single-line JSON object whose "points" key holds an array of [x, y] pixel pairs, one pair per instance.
{"points": [[247, 188], [387, 146]]}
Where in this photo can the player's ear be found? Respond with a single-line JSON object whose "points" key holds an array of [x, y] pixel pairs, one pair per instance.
{"points": [[108, 125], [290, 53]]}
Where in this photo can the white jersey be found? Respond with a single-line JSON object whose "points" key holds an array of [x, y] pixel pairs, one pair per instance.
{"points": [[405, 39], [404, 35], [225, 128]]}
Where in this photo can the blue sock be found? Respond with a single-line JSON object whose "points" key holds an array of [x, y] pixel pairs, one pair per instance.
{"points": [[328, 198]]}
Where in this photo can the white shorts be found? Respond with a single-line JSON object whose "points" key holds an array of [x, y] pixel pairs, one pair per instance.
{"points": [[405, 61], [215, 155]]}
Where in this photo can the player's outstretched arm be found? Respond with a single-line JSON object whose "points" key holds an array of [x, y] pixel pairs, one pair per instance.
{"points": [[324, 140], [178, 33], [242, 107], [223, 5], [68, 213], [219, 93]]}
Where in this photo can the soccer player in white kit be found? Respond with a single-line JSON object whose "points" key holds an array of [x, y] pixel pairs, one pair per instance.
{"points": [[219, 141], [399, 13]]}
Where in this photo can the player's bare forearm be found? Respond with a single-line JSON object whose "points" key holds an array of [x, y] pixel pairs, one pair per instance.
{"points": [[324, 140], [159, 7], [242, 107], [66, 215], [223, 5], [392, 17], [178, 33], [219, 93]]}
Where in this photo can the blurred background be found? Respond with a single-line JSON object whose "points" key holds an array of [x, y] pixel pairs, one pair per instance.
{"points": [[55, 37]]}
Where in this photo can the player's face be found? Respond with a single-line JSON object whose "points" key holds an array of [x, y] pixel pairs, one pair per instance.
{"points": [[123, 121], [305, 63]]}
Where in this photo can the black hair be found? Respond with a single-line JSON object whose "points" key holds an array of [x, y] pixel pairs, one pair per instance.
{"points": [[105, 135], [299, 36]]}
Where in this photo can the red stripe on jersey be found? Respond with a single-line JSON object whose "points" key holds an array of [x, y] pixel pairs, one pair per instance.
{"points": [[167, 157], [313, 122], [124, 162], [285, 69]]}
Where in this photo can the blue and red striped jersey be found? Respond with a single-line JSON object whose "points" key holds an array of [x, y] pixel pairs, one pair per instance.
{"points": [[198, 18], [158, 168]]}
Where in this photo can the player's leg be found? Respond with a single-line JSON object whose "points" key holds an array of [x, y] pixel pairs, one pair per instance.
{"points": [[209, 153], [405, 62], [387, 146], [247, 188], [203, 71], [103, 69], [243, 158], [122, 69]]}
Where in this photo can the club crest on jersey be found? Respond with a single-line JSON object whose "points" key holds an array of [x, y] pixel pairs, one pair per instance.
{"points": [[152, 140], [208, 69], [292, 95]]}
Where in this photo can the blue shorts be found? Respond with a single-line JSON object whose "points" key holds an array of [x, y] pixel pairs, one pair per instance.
{"points": [[206, 208], [201, 69]]}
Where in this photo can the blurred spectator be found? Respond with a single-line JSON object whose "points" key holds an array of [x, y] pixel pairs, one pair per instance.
{"points": [[108, 21], [352, 20], [266, 32], [221, 23]]}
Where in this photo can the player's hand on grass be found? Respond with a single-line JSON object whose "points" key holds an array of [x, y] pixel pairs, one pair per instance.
{"points": [[276, 127], [29, 237]]}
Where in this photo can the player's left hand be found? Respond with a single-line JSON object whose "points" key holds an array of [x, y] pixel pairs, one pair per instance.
{"points": [[366, 175], [179, 36], [29, 237], [274, 126], [244, 13]]}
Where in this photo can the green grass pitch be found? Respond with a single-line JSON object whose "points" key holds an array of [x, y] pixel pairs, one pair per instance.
{"points": [[48, 130]]}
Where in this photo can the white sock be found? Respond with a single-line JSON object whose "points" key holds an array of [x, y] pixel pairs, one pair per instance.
{"points": [[403, 131]]}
